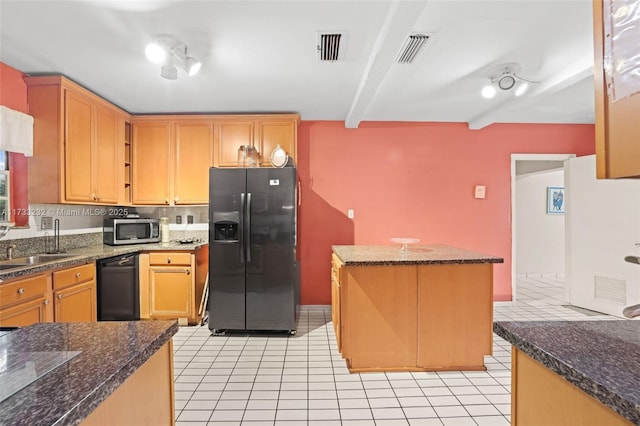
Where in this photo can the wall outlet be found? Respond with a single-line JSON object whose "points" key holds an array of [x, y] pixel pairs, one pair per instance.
{"points": [[480, 192], [46, 222], [178, 219], [189, 218]]}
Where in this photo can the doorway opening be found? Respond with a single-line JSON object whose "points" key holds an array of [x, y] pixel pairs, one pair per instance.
{"points": [[537, 234]]}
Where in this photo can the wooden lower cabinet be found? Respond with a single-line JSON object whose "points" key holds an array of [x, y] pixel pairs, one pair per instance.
{"points": [[64, 295], [26, 301], [456, 310], [379, 318], [172, 283], [171, 291], [75, 294], [145, 398], [26, 313], [541, 397], [413, 317], [76, 303]]}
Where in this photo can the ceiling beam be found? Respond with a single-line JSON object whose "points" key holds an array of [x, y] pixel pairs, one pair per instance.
{"points": [[560, 80], [400, 19]]}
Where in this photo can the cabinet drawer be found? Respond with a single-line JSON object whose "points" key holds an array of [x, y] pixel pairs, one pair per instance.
{"points": [[74, 275], [23, 290], [170, 258]]}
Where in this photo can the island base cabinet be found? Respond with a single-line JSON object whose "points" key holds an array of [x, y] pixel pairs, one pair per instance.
{"points": [[145, 398], [541, 397], [379, 310], [413, 317], [455, 316]]}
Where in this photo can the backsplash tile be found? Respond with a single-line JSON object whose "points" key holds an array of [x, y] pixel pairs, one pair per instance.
{"points": [[81, 226]]}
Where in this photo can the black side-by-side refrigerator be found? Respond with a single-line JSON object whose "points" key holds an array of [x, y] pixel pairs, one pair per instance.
{"points": [[253, 272]]}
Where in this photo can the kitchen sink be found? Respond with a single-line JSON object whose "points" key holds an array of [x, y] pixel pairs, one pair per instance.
{"points": [[36, 259], [5, 266]]}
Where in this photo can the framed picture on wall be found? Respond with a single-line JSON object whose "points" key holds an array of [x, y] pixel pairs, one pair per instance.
{"points": [[555, 200]]}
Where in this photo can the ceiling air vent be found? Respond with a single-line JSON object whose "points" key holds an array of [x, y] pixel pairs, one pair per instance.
{"points": [[411, 48], [329, 46]]}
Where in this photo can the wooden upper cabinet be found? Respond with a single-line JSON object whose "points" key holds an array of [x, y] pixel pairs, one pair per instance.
{"points": [[264, 132], [151, 163], [107, 166], [617, 123], [78, 144], [271, 133], [193, 158], [231, 136], [171, 160]]}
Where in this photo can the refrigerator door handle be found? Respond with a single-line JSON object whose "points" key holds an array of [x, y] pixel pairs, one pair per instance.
{"points": [[241, 239], [248, 230]]}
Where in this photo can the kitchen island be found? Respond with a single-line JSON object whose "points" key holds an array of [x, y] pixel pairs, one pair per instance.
{"points": [[426, 308], [574, 372], [88, 373]]}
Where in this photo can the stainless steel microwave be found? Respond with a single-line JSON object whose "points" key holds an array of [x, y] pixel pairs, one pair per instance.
{"points": [[117, 231]]}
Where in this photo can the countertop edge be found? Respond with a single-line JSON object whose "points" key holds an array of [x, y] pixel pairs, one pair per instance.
{"points": [[81, 259], [85, 407], [423, 254], [583, 382], [416, 262]]}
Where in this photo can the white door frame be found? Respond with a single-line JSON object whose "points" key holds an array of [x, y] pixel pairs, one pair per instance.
{"points": [[524, 157]]}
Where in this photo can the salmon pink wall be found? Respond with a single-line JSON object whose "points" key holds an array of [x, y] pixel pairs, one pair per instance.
{"points": [[414, 180], [13, 94]]}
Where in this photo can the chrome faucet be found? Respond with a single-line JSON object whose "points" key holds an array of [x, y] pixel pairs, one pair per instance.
{"points": [[631, 311], [10, 248]]}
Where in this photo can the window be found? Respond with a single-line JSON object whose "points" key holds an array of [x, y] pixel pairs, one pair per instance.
{"points": [[4, 187]]}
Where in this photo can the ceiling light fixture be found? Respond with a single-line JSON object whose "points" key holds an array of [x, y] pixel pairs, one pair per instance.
{"points": [[505, 78], [170, 52]]}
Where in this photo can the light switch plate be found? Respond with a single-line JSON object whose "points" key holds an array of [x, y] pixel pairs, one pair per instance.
{"points": [[350, 213], [480, 191]]}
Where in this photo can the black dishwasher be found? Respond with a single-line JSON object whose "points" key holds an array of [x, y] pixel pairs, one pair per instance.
{"points": [[118, 288]]}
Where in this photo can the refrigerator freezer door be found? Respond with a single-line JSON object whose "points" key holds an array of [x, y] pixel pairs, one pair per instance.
{"points": [[270, 290], [227, 188]]}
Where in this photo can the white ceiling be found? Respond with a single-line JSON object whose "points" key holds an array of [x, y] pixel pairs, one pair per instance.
{"points": [[260, 56]]}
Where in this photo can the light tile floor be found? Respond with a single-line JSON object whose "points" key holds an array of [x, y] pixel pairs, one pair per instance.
{"points": [[302, 379]]}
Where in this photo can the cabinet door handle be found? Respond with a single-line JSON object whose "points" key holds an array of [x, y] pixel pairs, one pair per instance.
{"points": [[60, 296], [187, 271], [77, 274], [168, 260], [175, 200], [166, 201], [46, 301], [21, 291]]}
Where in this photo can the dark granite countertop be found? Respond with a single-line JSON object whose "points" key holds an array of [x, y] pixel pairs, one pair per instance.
{"points": [[416, 254], [110, 352], [96, 252], [602, 358]]}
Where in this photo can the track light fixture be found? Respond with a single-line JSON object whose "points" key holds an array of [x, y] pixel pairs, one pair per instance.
{"points": [[169, 52], [505, 78]]}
